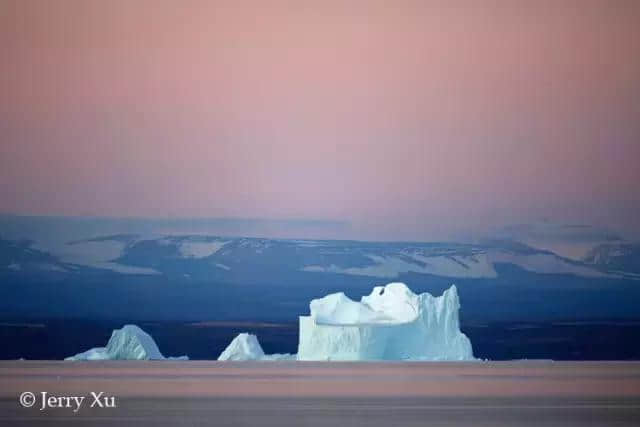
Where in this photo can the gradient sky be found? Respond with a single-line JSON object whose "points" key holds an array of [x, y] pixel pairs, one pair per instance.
{"points": [[409, 119]]}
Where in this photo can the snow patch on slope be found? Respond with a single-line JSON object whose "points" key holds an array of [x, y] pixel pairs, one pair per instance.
{"points": [[545, 264], [95, 254], [194, 249], [472, 266]]}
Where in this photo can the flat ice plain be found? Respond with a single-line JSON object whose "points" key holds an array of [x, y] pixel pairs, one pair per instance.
{"points": [[289, 393]]}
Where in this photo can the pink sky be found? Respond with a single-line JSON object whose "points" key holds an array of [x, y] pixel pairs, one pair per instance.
{"points": [[406, 118]]}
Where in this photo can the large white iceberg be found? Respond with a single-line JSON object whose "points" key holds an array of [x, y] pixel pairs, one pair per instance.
{"points": [[391, 323], [128, 343]]}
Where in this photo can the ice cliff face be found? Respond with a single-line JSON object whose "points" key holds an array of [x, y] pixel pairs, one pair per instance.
{"points": [[392, 323], [128, 343]]}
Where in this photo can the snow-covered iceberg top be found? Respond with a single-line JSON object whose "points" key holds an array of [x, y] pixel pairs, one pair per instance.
{"points": [[391, 304], [391, 323], [128, 343]]}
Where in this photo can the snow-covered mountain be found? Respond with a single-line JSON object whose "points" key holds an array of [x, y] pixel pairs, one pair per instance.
{"points": [[233, 259], [138, 247]]}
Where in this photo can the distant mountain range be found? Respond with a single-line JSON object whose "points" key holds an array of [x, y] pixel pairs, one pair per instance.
{"points": [[231, 258], [228, 258], [95, 269]]}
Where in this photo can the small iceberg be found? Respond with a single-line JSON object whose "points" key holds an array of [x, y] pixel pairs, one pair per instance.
{"points": [[246, 347], [128, 343]]}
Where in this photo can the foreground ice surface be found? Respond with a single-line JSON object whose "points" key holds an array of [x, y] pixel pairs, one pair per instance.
{"points": [[391, 323], [128, 343]]}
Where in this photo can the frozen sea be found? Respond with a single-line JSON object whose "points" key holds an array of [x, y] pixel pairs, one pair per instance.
{"points": [[202, 393]]}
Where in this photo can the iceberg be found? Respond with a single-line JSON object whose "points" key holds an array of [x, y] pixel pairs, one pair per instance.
{"points": [[128, 343], [246, 347], [391, 323], [243, 347]]}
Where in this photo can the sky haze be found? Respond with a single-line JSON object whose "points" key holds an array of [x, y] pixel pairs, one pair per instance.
{"points": [[407, 119]]}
